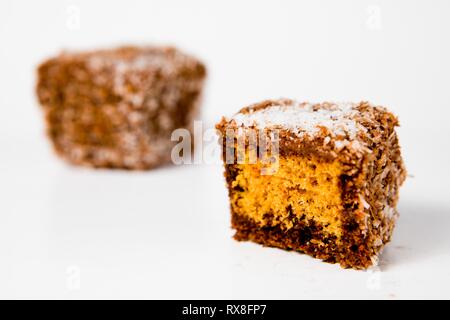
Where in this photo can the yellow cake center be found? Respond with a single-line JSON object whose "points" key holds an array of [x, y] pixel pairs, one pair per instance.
{"points": [[303, 188]]}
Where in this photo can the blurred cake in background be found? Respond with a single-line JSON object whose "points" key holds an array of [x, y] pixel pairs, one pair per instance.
{"points": [[117, 108]]}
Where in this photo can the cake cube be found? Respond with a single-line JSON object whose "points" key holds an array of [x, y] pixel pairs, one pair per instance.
{"points": [[332, 188], [117, 108]]}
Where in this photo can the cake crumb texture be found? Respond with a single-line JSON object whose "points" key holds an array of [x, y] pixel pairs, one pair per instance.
{"points": [[301, 189]]}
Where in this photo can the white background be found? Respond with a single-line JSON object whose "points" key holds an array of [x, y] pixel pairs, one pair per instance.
{"points": [[75, 233]]}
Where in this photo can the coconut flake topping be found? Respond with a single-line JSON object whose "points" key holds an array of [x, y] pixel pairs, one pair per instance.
{"points": [[305, 118]]}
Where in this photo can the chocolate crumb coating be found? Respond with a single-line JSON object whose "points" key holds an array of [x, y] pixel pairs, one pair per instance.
{"points": [[117, 108]]}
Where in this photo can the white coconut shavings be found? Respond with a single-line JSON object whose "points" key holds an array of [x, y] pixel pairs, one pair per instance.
{"points": [[129, 71], [365, 204], [143, 61], [389, 212], [305, 118]]}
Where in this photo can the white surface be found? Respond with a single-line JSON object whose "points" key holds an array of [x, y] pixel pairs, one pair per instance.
{"points": [[77, 233]]}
